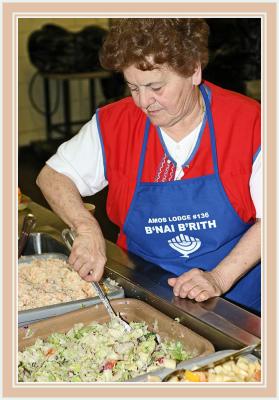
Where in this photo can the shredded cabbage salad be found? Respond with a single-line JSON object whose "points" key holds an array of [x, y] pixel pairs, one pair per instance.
{"points": [[98, 352]]}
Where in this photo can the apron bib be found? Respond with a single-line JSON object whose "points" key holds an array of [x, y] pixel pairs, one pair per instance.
{"points": [[185, 224]]}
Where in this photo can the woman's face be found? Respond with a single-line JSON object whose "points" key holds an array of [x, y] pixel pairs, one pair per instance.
{"points": [[166, 97]]}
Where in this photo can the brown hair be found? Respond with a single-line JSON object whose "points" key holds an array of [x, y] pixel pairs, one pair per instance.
{"points": [[181, 43]]}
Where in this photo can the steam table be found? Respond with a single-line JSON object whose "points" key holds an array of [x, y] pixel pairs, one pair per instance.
{"points": [[226, 325]]}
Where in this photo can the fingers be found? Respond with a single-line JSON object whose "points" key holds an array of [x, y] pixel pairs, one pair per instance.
{"points": [[89, 271], [195, 284], [171, 281], [94, 274], [87, 258], [194, 293], [202, 296], [184, 284]]}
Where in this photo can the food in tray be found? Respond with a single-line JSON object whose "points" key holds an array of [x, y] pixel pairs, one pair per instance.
{"points": [[240, 370], [98, 352], [45, 282], [19, 195], [22, 200]]}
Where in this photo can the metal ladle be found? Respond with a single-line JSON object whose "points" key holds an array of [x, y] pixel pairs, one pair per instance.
{"points": [[69, 236]]}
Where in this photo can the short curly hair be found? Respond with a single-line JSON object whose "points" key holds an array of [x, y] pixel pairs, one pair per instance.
{"points": [[181, 43]]}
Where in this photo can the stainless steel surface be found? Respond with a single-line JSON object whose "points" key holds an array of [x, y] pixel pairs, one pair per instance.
{"points": [[226, 325], [28, 224], [69, 236]]}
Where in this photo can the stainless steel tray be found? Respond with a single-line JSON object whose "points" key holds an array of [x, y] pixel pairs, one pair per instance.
{"points": [[190, 365], [26, 317], [40, 243]]}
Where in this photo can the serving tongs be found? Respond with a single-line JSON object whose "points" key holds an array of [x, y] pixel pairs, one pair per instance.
{"points": [[29, 223], [220, 359], [68, 236]]}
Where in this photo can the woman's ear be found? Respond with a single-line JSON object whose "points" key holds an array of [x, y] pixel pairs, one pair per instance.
{"points": [[197, 76]]}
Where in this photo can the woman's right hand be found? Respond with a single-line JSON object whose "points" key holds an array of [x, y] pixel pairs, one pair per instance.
{"points": [[88, 255]]}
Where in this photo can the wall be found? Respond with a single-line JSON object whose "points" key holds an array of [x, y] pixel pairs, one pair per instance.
{"points": [[31, 126]]}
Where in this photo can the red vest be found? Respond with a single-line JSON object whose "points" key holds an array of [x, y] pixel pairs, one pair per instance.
{"points": [[237, 130]]}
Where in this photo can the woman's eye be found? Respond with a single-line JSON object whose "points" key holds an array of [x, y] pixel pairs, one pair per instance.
{"points": [[133, 89], [156, 89]]}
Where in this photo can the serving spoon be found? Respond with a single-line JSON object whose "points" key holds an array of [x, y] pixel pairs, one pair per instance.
{"points": [[29, 223], [68, 236]]}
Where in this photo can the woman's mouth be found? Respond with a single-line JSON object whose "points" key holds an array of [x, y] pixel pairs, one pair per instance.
{"points": [[152, 112]]}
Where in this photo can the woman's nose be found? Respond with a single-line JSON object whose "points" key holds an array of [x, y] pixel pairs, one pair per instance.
{"points": [[145, 99]]}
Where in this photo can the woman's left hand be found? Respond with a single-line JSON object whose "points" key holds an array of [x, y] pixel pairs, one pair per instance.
{"points": [[197, 285], [202, 285]]}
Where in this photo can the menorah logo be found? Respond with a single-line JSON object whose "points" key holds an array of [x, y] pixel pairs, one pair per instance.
{"points": [[185, 244]]}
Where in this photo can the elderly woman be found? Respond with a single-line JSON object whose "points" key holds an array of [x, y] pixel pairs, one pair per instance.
{"points": [[182, 161]]}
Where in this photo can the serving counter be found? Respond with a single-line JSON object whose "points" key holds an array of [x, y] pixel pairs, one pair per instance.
{"points": [[224, 324]]}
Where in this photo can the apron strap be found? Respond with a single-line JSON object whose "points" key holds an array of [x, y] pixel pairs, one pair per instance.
{"points": [[142, 154], [211, 128]]}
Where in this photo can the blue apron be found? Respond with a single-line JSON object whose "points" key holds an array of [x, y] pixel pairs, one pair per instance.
{"points": [[185, 224]]}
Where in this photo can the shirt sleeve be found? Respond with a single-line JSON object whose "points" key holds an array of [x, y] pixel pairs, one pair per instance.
{"points": [[81, 160], [256, 184]]}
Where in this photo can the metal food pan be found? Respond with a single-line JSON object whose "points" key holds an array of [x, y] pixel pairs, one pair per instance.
{"points": [[130, 310], [27, 317], [39, 243], [201, 361]]}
